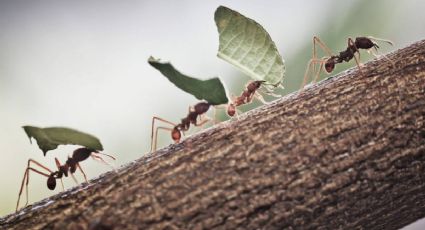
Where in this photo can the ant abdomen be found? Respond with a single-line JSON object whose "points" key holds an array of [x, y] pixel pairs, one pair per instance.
{"points": [[231, 110], [51, 182], [176, 135], [329, 65]]}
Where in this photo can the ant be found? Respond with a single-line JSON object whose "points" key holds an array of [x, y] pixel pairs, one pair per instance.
{"points": [[251, 91], [200, 109], [331, 60], [70, 166], [176, 132]]}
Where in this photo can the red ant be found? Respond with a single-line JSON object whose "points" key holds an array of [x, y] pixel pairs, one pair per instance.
{"points": [[330, 61], [200, 109], [247, 95], [70, 166], [176, 132]]}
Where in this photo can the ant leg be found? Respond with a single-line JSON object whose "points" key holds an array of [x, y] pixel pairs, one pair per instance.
{"points": [[322, 45], [237, 112], [156, 137], [358, 64], [351, 43], [73, 178], [202, 120], [84, 175], [28, 175], [58, 164], [384, 56], [260, 97], [316, 77], [268, 92], [26, 178], [154, 132], [216, 107], [307, 71], [63, 188]]}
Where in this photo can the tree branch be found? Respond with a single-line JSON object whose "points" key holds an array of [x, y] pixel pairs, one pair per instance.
{"points": [[346, 153]]}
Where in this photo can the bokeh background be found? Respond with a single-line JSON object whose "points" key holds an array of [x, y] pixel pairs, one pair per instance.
{"points": [[83, 64]]}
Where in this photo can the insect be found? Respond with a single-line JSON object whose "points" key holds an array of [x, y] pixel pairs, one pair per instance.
{"points": [[194, 113], [70, 167], [251, 91], [353, 47]]}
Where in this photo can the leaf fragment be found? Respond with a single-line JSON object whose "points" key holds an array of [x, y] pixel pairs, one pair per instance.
{"points": [[50, 138], [211, 90], [245, 44]]}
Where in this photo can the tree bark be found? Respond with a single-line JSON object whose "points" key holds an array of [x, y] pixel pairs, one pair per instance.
{"points": [[346, 153]]}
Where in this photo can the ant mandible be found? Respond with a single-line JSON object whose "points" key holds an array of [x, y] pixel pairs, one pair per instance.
{"points": [[331, 60], [176, 132], [70, 166]]}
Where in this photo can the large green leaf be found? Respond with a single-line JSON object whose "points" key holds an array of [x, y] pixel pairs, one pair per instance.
{"points": [[247, 45], [49, 138], [211, 90]]}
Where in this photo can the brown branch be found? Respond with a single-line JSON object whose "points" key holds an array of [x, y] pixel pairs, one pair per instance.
{"points": [[346, 153]]}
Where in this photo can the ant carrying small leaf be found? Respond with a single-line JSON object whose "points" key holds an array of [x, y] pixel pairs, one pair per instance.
{"points": [[50, 138], [70, 167], [245, 43], [211, 91], [251, 91], [353, 47]]}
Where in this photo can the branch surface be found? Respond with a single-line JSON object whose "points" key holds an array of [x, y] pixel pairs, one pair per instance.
{"points": [[346, 153]]}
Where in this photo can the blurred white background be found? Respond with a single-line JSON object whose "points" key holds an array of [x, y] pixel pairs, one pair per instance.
{"points": [[83, 64]]}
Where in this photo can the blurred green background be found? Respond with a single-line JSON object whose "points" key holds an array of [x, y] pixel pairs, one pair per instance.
{"points": [[83, 64]]}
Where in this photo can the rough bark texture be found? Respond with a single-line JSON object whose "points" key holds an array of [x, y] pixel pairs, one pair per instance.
{"points": [[346, 153]]}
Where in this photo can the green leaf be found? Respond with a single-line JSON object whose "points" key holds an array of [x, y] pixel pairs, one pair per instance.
{"points": [[247, 45], [49, 138], [211, 90]]}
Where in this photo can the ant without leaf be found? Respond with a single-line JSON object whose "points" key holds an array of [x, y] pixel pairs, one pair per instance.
{"points": [[176, 132], [70, 166], [330, 61]]}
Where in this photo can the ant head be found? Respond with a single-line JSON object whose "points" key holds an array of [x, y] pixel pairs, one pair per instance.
{"points": [[176, 134], [81, 154], [201, 107], [365, 43], [51, 182], [231, 110], [330, 65], [254, 85]]}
